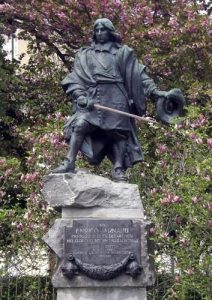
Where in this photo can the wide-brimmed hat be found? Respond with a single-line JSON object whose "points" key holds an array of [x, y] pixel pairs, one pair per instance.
{"points": [[170, 106]]}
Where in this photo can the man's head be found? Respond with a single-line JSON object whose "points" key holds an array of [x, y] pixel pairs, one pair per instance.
{"points": [[104, 31]]}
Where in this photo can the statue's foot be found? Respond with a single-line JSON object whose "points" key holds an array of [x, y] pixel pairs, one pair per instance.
{"points": [[65, 167], [119, 175]]}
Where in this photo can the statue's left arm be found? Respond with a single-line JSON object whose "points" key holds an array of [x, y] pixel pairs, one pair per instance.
{"points": [[150, 89], [140, 87], [168, 104]]}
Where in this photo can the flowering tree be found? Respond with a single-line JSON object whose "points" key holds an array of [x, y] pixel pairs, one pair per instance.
{"points": [[172, 38]]}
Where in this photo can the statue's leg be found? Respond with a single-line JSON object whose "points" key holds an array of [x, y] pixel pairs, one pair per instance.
{"points": [[80, 129], [119, 149], [118, 152]]}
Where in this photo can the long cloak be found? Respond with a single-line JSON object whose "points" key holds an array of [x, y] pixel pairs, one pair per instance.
{"points": [[137, 85]]}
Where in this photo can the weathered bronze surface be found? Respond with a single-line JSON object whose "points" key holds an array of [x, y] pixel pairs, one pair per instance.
{"points": [[74, 266], [108, 73], [102, 249]]}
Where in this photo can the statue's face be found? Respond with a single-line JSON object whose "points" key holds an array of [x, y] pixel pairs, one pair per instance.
{"points": [[102, 34]]}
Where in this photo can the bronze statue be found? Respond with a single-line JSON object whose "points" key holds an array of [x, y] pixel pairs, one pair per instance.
{"points": [[109, 74]]}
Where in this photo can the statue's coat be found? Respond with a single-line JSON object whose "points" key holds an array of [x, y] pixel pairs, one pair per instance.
{"points": [[110, 75]]}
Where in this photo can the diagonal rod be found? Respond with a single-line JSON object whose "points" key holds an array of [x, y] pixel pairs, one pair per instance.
{"points": [[147, 119]]}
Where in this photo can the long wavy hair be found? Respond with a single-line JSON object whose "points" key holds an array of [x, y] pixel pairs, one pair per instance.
{"points": [[114, 36]]}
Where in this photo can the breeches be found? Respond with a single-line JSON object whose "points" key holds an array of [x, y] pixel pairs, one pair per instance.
{"points": [[82, 127]]}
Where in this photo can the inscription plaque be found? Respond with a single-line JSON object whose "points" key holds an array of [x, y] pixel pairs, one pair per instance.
{"points": [[105, 246]]}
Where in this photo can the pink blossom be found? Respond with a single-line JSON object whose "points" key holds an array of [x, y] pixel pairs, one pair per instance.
{"points": [[31, 16], [161, 148], [153, 191], [173, 294], [155, 32], [148, 58], [209, 142], [2, 161], [176, 199], [167, 72], [170, 198], [61, 15], [192, 136], [184, 242], [6, 7], [194, 200], [210, 222], [174, 155], [164, 235], [149, 19], [164, 201], [41, 184], [162, 163], [208, 206], [94, 13], [49, 158], [22, 177], [210, 32], [173, 22], [167, 200], [2, 194], [202, 120], [19, 226], [8, 172], [34, 198], [29, 177], [28, 215], [152, 230], [55, 140], [29, 159], [191, 15], [199, 141], [21, 242], [168, 134], [58, 115], [177, 279], [190, 271]]}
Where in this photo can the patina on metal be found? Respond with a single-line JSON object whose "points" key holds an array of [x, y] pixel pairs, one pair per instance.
{"points": [[74, 266], [102, 249], [107, 73]]}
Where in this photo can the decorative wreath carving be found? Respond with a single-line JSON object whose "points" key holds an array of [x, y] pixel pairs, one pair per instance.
{"points": [[74, 266]]}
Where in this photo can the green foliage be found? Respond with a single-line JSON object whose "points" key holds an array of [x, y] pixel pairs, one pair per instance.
{"points": [[25, 288], [173, 40]]}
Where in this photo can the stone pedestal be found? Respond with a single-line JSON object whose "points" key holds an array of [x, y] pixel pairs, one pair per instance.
{"points": [[102, 294], [101, 239]]}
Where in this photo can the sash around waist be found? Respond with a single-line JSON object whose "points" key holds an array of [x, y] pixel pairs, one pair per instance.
{"points": [[100, 81]]}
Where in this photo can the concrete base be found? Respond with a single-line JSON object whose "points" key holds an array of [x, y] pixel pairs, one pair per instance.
{"points": [[102, 294]]}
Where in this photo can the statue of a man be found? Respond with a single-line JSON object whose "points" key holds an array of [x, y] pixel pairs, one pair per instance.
{"points": [[109, 74]]}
